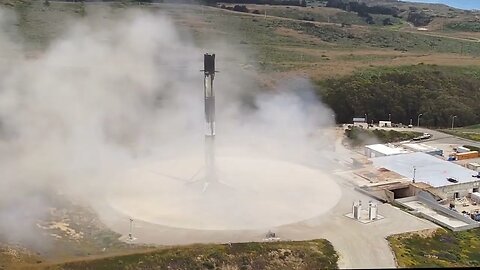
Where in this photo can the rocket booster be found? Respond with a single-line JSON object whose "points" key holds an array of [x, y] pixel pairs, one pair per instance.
{"points": [[209, 72]]}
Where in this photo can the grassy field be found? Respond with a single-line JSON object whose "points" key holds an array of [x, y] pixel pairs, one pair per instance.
{"points": [[315, 254], [328, 15], [469, 132], [441, 249], [282, 43], [66, 231], [465, 26]]}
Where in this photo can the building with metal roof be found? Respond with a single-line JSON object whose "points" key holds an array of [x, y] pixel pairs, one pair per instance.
{"points": [[380, 150], [449, 178], [420, 147]]}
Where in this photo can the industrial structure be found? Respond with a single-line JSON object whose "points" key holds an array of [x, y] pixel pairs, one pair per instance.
{"points": [[385, 124], [422, 179], [360, 122], [446, 178], [381, 150], [474, 166], [420, 147], [364, 215]]}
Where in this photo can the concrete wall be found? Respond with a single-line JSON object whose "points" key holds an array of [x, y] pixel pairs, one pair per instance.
{"points": [[376, 194], [407, 191], [390, 195], [463, 189], [428, 200], [372, 153]]}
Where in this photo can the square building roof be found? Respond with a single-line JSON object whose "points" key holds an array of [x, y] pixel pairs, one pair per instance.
{"points": [[429, 169]]}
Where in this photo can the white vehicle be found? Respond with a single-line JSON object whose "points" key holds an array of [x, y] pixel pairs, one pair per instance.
{"points": [[423, 137]]}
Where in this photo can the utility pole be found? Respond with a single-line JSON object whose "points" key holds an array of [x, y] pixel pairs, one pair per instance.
{"points": [[453, 121], [414, 173], [418, 119]]}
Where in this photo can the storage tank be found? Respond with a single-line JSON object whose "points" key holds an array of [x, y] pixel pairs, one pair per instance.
{"points": [[356, 209], [372, 211]]}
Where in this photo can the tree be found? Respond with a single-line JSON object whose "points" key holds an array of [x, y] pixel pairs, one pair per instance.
{"points": [[387, 21], [436, 92]]}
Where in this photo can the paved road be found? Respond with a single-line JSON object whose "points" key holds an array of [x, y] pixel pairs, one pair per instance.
{"points": [[359, 245], [440, 137]]}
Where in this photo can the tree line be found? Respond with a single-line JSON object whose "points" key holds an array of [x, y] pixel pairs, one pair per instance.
{"points": [[363, 8], [418, 18], [302, 3], [438, 93]]}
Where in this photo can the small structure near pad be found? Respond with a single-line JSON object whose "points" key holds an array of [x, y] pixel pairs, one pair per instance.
{"points": [[364, 215]]}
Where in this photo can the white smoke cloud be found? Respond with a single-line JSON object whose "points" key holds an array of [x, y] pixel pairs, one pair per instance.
{"points": [[105, 95]]}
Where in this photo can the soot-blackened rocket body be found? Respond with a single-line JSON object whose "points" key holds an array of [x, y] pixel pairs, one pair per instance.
{"points": [[209, 72]]}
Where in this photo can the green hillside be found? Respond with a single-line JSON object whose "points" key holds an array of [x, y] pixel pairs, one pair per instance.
{"points": [[441, 249], [469, 132], [315, 254], [405, 92]]}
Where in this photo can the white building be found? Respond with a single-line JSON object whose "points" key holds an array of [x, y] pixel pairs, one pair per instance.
{"points": [[385, 123], [420, 147], [453, 180], [381, 150], [360, 122]]}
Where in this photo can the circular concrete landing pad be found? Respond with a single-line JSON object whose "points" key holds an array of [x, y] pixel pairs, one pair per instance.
{"points": [[249, 193]]}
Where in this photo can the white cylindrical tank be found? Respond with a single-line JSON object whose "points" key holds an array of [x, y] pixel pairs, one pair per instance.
{"points": [[356, 212], [372, 211], [356, 209]]}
